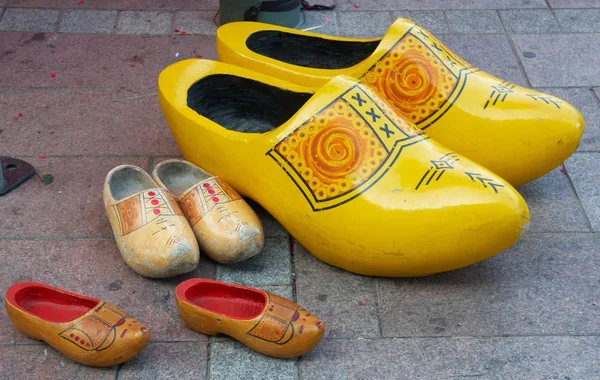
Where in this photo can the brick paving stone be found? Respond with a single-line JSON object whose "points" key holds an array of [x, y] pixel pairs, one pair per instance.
{"points": [[463, 358], [490, 53], [582, 168], [144, 22], [161, 360], [553, 205], [434, 21], [94, 61], [270, 267], [29, 20], [40, 361], [325, 19], [232, 360], [88, 21], [530, 21], [574, 3], [347, 302], [367, 5], [197, 22], [371, 24], [584, 100], [560, 60], [71, 206], [83, 122], [3, 3], [579, 20], [159, 5], [190, 47], [474, 22], [95, 268], [540, 286]]}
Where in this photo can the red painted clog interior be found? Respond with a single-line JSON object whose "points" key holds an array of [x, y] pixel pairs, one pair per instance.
{"points": [[50, 304], [220, 298]]}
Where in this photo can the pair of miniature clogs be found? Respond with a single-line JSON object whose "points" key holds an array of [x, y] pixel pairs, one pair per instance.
{"points": [[161, 222], [96, 333], [385, 157]]}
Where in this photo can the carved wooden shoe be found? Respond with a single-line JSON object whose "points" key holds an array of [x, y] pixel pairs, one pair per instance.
{"points": [[151, 231], [264, 322], [518, 133], [84, 329], [356, 184], [227, 228]]}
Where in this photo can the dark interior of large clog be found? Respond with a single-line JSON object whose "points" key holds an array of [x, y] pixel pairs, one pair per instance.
{"points": [[233, 302], [53, 306], [242, 104], [309, 51]]}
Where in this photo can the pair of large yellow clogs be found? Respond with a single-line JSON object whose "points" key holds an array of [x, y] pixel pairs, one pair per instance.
{"points": [[386, 157]]}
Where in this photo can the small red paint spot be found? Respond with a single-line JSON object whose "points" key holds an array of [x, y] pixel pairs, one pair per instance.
{"points": [[76, 338], [196, 54], [319, 324], [211, 191], [176, 30], [154, 202], [156, 211], [114, 26], [87, 344], [80, 3], [562, 168], [151, 193], [362, 303], [20, 114], [71, 335], [120, 322], [206, 185], [143, 330], [295, 316], [183, 33], [53, 74], [215, 199], [42, 157], [355, 6], [301, 329], [123, 333]]}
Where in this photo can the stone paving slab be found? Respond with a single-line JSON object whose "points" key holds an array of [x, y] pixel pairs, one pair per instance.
{"points": [[490, 53], [327, 21], [347, 302], [144, 22], [579, 20], [366, 24], [168, 360], [474, 22], [553, 205], [196, 22], [434, 21], [69, 207], [95, 268], [448, 358], [110, 60], [190, 47], [88, 21], [367, 5], [560, 60], [530, 21], [586, 102], [542, 285], [29, 20], [40, 361], [574, 3], [582, 168], [83, 122], [270, 267], [160, 5]]}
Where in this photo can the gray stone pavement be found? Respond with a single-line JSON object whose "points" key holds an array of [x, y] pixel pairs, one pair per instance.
{"points": [[532, 312]]}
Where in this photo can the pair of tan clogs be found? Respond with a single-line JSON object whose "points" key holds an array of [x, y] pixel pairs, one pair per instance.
{"points": [[96, 333], [162, 222]]}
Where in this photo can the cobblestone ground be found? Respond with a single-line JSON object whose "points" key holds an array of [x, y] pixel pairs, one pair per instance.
{"points": [[530, 312]]}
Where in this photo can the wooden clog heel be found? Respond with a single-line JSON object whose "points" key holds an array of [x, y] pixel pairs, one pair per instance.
{"points": [[262, 321], [84, 329], [153, 236], [227, 228]]}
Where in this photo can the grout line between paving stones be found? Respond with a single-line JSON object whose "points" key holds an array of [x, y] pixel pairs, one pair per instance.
{"points": [[117, 22], [293, 267], [59, 20], [581, 208], [519, 62], [208, 357]]}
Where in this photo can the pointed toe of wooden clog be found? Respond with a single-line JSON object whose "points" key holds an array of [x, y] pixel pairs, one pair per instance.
{"points": [[84, 329], [227, 229], [517, 133], [262, 321], [153, 236]]}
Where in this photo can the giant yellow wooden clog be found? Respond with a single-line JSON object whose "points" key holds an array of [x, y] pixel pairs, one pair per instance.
{"points": [[518, 133], [353, 182]]}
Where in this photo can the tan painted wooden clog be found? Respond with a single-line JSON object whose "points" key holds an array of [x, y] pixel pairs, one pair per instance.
{"points": [[227, 228], [153, 236], [84, 329], [262, 321]]}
